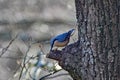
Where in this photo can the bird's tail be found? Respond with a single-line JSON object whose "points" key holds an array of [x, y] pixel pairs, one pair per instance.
{"points": [[51, 47], [52, 43]]}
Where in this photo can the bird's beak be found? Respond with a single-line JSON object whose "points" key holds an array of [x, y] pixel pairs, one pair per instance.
{"points": [[72, 33]]}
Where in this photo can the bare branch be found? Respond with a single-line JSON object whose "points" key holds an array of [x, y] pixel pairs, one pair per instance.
{"points": [[24, 61], [42, 78], [5, 49]]}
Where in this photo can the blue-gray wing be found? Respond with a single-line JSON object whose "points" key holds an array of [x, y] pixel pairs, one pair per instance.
{"points": [[61, 37]]}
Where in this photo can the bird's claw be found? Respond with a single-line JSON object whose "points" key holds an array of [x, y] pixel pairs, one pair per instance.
{"points": [[56, 49]]}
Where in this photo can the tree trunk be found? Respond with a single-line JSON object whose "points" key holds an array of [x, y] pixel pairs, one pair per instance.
{"points": [[96, 54]]}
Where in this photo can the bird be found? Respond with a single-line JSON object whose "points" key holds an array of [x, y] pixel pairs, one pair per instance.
{"points": [[61, 40]]}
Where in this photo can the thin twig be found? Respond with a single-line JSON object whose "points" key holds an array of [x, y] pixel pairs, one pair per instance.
{"points": [[21, 57], [12, 51], [41, 48], [5, 49], [24, 61], [42, 78]]}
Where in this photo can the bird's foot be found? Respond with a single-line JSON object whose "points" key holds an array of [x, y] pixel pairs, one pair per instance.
{"points": [[56, 49]]}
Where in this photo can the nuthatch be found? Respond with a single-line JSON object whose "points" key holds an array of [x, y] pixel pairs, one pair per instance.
{"points": [[62, 39]]}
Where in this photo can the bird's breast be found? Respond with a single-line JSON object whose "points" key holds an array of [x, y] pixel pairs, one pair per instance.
{"points": [[61, 44]]}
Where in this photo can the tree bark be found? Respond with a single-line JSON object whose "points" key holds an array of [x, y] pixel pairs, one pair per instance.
{"points": [[96, 54]]}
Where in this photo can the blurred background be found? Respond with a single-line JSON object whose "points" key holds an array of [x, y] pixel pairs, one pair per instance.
{"points": [[26, 27]]}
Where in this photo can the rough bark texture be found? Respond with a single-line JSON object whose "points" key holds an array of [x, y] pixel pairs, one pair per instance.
{"points": [[96, 55]]}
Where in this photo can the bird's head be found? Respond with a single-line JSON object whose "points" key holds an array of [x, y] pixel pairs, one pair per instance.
{"points": [[71, 32]]}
